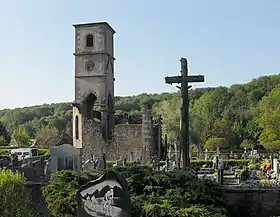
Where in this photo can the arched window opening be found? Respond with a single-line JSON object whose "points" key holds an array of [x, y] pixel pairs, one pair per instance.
{"points": [[110, 116], [89, 41], [77, 127], [88, 105]]}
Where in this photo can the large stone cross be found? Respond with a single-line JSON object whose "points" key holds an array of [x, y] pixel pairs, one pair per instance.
{"points": [[184, 80]]}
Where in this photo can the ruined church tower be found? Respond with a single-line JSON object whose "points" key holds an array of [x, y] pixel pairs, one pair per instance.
{"points": [[94, 80]]}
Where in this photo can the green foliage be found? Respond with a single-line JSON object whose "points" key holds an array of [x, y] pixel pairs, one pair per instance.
{"points": [[197, 164], [48, 137], [213, 144], [21, 137], [269, 117], [246, 144], [244, 173], [14, 197], [249, 111], [60, 195], [6, 150], [5, 137], [153, 193]]}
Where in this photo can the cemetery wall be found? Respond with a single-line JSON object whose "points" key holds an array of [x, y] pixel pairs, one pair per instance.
{"points": [[127, 140], [252, 202]]}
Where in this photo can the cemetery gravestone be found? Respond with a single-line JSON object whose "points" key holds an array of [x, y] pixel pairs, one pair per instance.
{"points": [[275, 166], [106, 196]]}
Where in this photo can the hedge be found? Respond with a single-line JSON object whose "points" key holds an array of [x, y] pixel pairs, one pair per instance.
{"points": [[6, 150], [153, 193], [197, 164]]}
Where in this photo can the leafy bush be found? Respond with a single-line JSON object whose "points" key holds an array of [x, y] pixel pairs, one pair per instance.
{"points": [[244, 173], [60, 195], [45, 153], [153, 193], [213, 143], [14, 197], [197, 164], [6, 150]]}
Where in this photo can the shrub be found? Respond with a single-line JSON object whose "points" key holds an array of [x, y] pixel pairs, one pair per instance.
{"points": [[213, 143], [6, 150], [197, 164], [14, 197], [244, 173], [45, 153], [60, 195], [153, 193]]}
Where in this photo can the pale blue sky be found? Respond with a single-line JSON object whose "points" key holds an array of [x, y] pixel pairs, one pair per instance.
{"points": [[229, 41]]}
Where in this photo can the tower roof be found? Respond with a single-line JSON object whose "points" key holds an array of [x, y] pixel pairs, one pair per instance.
{"points": [[95, 24]]}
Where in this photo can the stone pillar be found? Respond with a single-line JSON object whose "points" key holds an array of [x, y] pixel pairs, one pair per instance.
{"points": [[104, 114], [147, 133], [159, 154], [206, 155]]}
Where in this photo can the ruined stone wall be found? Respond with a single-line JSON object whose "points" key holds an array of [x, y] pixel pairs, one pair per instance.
{"points": [[93, 142], [126, 142]]}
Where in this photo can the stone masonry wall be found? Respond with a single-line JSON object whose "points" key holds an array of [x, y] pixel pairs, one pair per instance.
{"points": [[252, 202], [127, 140], [93, 143]]}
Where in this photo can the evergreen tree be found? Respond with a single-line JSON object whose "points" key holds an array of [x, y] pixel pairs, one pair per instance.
{"points": [[5, 137]]}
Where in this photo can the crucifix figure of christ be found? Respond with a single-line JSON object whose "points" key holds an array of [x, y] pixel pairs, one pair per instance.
{"points": [[184, 79]]}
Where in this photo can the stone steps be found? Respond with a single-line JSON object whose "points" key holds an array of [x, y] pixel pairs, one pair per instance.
{"points": [[230, 181]]}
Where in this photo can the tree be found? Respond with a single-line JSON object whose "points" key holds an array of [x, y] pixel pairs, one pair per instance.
{"points": [[246, 144], [213, 144], [21, 137], [2, 141], [5, 137], [48, 137], [170, 112], [269, 117], [243, 111], [14, 196]]}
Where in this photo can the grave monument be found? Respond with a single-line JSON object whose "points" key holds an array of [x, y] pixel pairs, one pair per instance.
{"points": [[106, 196]]}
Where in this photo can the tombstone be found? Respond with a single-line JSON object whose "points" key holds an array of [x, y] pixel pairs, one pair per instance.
{"points": [[167, 163], [119, 162], [106, 196], [206, 155], [169, 152], [131, 157], [275, 166], [101, 164], [90, 165], [5, 162], [124, 163], [48, 167], [14, 161], [39, 167], [65, 157]]}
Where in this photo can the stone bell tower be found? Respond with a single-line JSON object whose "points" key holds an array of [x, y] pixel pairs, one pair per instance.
{"points": [[94, 79]]}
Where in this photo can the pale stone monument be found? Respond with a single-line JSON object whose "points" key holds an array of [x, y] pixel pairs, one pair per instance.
{"points": [[65, 157]]}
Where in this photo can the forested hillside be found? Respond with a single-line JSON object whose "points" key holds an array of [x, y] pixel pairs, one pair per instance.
{"points": [[227, 117]]}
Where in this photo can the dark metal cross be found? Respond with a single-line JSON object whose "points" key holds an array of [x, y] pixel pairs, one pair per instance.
{"points": [[184, 80]]}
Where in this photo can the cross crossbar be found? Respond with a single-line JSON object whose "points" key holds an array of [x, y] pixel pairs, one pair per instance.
{"points": [[179, 79]]}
